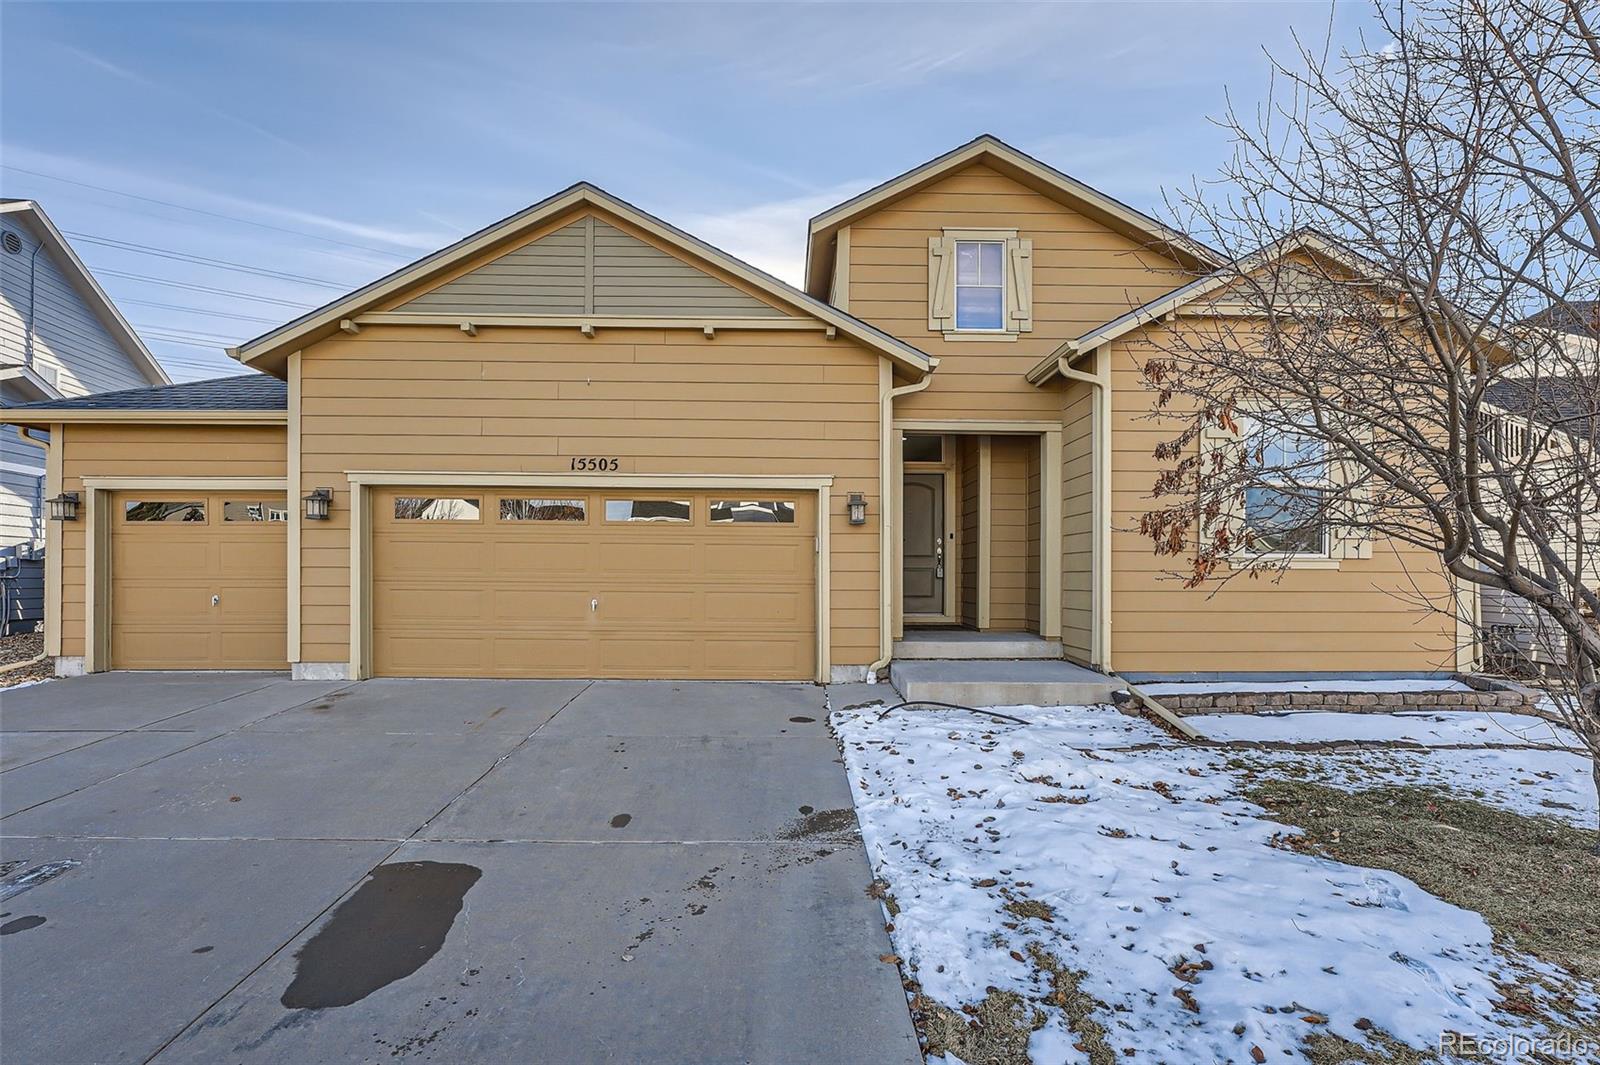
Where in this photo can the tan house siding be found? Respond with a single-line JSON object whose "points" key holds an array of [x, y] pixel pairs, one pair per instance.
{"points": [[1083, 275], [1031, 605], [427, 398], [1077, 520], [1361, 616], [1008, 547], [148, 451]]}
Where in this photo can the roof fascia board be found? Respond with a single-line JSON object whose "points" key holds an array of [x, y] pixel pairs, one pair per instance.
{"points": [[79, 415], [326, 319], [89, 289]]}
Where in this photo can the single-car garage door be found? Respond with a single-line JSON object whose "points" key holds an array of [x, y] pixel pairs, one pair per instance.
{"points": [[594, 583], [198, 581]]}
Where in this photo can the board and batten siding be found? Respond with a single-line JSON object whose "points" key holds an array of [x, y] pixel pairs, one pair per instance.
{"points": [[967, 597], [68, 344], [1083, 276], [1009, 533], [149, 451], [1363, 616], [589, 266], [529, 400]]}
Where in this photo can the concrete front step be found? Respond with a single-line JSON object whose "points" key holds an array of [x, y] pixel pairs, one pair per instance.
{"points": [[964, 643], [1033, 682]]}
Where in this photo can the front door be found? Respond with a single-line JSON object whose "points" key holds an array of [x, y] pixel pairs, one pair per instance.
{"points": [[924, 543]]}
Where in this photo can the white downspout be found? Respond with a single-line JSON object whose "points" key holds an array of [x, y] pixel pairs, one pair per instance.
{"points": [[1100, 516], [886, 526]]}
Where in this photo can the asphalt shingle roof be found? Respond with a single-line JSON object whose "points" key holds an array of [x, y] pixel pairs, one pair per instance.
{"points": [[251, 391], [1547, 399]]}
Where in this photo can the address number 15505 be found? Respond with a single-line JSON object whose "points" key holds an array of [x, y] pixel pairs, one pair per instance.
{"points": [[594, 464]]}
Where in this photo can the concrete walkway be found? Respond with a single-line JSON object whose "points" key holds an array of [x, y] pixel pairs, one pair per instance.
{"points": [[239, 867]]}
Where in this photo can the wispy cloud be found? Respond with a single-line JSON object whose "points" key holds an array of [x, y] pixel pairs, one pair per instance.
{"points": [[128, 180], [769, 236], [116, 70]]}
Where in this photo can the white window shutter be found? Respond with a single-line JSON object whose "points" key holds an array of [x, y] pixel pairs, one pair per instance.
{"points": [[941, 283], [1019, 284]]}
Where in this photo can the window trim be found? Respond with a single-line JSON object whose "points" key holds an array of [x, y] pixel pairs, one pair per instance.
{"points": [[1010, 330]]}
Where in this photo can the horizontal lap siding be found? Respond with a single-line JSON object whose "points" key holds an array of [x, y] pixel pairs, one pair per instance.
{"points": [[149, 451], [1077, 521], [1362, 616], [425, 398], [1083, 275]]}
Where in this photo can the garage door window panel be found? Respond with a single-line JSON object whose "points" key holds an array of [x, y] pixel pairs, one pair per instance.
{"points": [[186, 511], [650, 511], [753, 512], [544, 510], [437, 508], [253, 511]]}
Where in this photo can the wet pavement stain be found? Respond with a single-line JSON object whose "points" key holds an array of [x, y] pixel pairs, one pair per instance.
{"points": [[621, 820], [21, 924], [394, 923], [802, 720], [202, 950]]}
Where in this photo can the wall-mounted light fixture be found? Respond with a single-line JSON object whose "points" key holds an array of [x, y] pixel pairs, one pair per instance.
{"points": [[317, 504], [857, 507], [64, 507]]}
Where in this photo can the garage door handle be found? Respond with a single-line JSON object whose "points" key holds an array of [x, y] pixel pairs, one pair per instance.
{"points": [[594, 604], [216, 600]]}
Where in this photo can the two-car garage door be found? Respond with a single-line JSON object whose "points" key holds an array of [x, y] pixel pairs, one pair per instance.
{"points": [[593, 583]]}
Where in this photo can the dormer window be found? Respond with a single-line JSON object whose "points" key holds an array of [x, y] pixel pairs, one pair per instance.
{"points": [[980, 284]]}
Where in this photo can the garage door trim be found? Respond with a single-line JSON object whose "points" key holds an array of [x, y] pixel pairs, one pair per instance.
{"points": [[97, 542], [362, 481]]}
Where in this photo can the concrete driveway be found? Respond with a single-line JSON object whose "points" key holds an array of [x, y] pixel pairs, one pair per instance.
{"points": [[238, 867]]}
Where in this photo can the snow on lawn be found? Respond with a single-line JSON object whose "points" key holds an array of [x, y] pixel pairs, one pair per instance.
{"points": [[1159, 879], [1427, 727], [1529, 782]]}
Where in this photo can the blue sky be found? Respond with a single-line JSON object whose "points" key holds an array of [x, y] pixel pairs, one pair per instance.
{"points": [[328, 144]]}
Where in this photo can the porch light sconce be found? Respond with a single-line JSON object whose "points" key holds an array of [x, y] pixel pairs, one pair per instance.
{"points": [[64, 507], [317, 504], [857, 507]]}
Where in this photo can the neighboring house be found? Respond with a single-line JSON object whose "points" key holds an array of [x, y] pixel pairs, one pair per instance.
{"points": [[582, 442], [1564, 413], [60, 337]]}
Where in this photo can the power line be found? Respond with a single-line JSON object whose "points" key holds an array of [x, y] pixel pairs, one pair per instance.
{"points": [[202, 310], [185, 334], [293, 304], [208, 214], [201, 260]]}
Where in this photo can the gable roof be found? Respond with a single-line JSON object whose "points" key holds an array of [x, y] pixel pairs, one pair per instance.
{"points": [[1578, 317], [1043, 178], [31, 216], [1161, 306], [325, 320]]}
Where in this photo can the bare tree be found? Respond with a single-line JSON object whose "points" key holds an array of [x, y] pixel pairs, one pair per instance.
{"points": [[1404, 223]]}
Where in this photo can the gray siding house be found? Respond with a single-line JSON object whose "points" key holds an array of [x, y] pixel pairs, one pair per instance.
{"points": [[60, 337]]}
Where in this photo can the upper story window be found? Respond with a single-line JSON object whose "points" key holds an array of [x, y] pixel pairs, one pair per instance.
{"points": [[980, 284]]}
